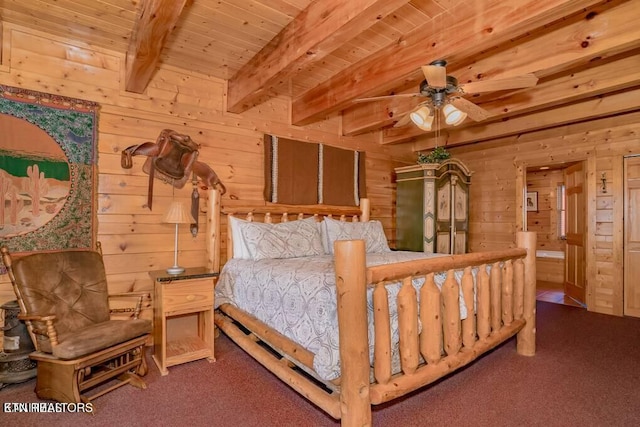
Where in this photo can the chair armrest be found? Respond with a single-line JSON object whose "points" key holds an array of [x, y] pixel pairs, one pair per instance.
{"points": [[36, 317], [50, 330], [140, 296]]}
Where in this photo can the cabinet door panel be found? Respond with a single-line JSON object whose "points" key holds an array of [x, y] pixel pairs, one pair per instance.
{"points": [[461, 216], [443, 241], [409, 229], [443, 215], [460, 245]]}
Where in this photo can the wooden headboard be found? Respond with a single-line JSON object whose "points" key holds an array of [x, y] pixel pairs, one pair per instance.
{"points": [[217, 215]]}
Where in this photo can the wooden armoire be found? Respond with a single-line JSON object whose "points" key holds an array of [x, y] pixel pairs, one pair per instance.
{"points": [[432, 207]]}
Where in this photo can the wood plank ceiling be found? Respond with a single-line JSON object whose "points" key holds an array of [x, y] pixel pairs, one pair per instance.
{"points": [[324, 54]]}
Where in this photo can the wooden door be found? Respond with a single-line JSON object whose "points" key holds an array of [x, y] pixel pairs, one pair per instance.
{"points": [[632, 236], [574, 275]]}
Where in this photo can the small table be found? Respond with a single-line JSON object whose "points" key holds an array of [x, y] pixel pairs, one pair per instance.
{"points": [[183, 317]]}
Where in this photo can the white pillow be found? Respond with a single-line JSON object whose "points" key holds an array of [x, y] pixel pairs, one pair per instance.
{"points": [[371, 232], [240, 249], [322, 229], [290, 239]]}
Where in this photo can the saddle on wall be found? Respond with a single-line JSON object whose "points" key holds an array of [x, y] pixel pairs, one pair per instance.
{"points": [[172, 158]]}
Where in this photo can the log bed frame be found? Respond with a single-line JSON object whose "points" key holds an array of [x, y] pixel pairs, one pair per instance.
{"points": [[506, 304]]}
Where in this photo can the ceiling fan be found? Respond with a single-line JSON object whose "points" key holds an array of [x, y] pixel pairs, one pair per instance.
{"points": [[444, 94]]}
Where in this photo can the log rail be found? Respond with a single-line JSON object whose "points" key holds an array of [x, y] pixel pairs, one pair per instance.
{"points": [[505, 306]]}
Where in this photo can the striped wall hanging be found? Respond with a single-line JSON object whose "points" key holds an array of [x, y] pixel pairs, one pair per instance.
{"points": [[306, 173]]}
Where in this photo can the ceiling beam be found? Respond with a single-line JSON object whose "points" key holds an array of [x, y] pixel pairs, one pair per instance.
{"points": [[316, 32], [599, 33], [155, 21], [474, 28], [608, 105]]}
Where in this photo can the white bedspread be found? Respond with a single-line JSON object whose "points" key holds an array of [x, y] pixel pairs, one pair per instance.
{"points": [[297, 298]]}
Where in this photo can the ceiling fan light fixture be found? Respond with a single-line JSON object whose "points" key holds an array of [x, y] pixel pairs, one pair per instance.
{"points": [[453, 116], [427, 126], [422, 118]]}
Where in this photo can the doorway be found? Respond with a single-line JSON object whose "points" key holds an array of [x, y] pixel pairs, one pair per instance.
{"points": [[554, 207]]}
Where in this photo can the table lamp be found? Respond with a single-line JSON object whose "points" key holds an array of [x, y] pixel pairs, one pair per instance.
{"points": [[177, 214]]}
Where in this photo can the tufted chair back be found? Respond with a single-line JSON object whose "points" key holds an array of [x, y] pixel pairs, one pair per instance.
{"points": [[71, 285]]}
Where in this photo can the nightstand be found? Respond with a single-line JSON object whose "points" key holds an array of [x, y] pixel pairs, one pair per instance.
{"points": [[183, 317]]}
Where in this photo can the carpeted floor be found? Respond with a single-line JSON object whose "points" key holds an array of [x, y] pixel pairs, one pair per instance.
{"points": [[586, 373]]}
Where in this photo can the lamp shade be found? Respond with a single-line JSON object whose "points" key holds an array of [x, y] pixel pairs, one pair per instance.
{"points": [[427, 126], [177, 214], [422, 118], [452, 115]]}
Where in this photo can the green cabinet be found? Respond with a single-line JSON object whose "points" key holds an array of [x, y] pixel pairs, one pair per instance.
{"points": [[432, 207]]}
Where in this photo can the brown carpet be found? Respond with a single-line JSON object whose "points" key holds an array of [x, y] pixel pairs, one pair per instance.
{"points": [[586, 373]]}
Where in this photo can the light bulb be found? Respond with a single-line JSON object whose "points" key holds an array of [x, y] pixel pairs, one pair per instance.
{"points": [[422, 118], [453, 116]]}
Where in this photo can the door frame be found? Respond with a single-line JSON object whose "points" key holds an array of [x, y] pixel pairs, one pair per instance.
{"points": [[590, 212], [625, 220]]}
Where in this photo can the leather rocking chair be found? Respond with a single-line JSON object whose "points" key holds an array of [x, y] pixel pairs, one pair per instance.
{"points": [[64, 302]]}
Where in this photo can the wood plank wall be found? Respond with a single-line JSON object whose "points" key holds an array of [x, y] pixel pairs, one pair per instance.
{"points": [[602, 145], [134, 240]]}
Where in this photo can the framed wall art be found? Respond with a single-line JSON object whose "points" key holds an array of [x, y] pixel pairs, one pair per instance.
{"points": [[532, 201]]}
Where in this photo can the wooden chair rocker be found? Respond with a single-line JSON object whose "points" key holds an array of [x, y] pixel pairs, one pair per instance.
{"points": [[64, 302]]}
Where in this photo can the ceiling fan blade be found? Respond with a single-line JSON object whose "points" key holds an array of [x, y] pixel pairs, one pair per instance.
{"points": [[525, 80], [473, 111], [379, 98], [436, 75]]}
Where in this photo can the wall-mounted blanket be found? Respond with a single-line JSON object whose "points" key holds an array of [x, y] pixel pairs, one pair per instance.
{"points": [[305, 173], [48, 155]]}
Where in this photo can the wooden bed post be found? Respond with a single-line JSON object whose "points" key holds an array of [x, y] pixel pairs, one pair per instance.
{"points": [[526, 341], [213, 230], [365, 208], [350, 265]]}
